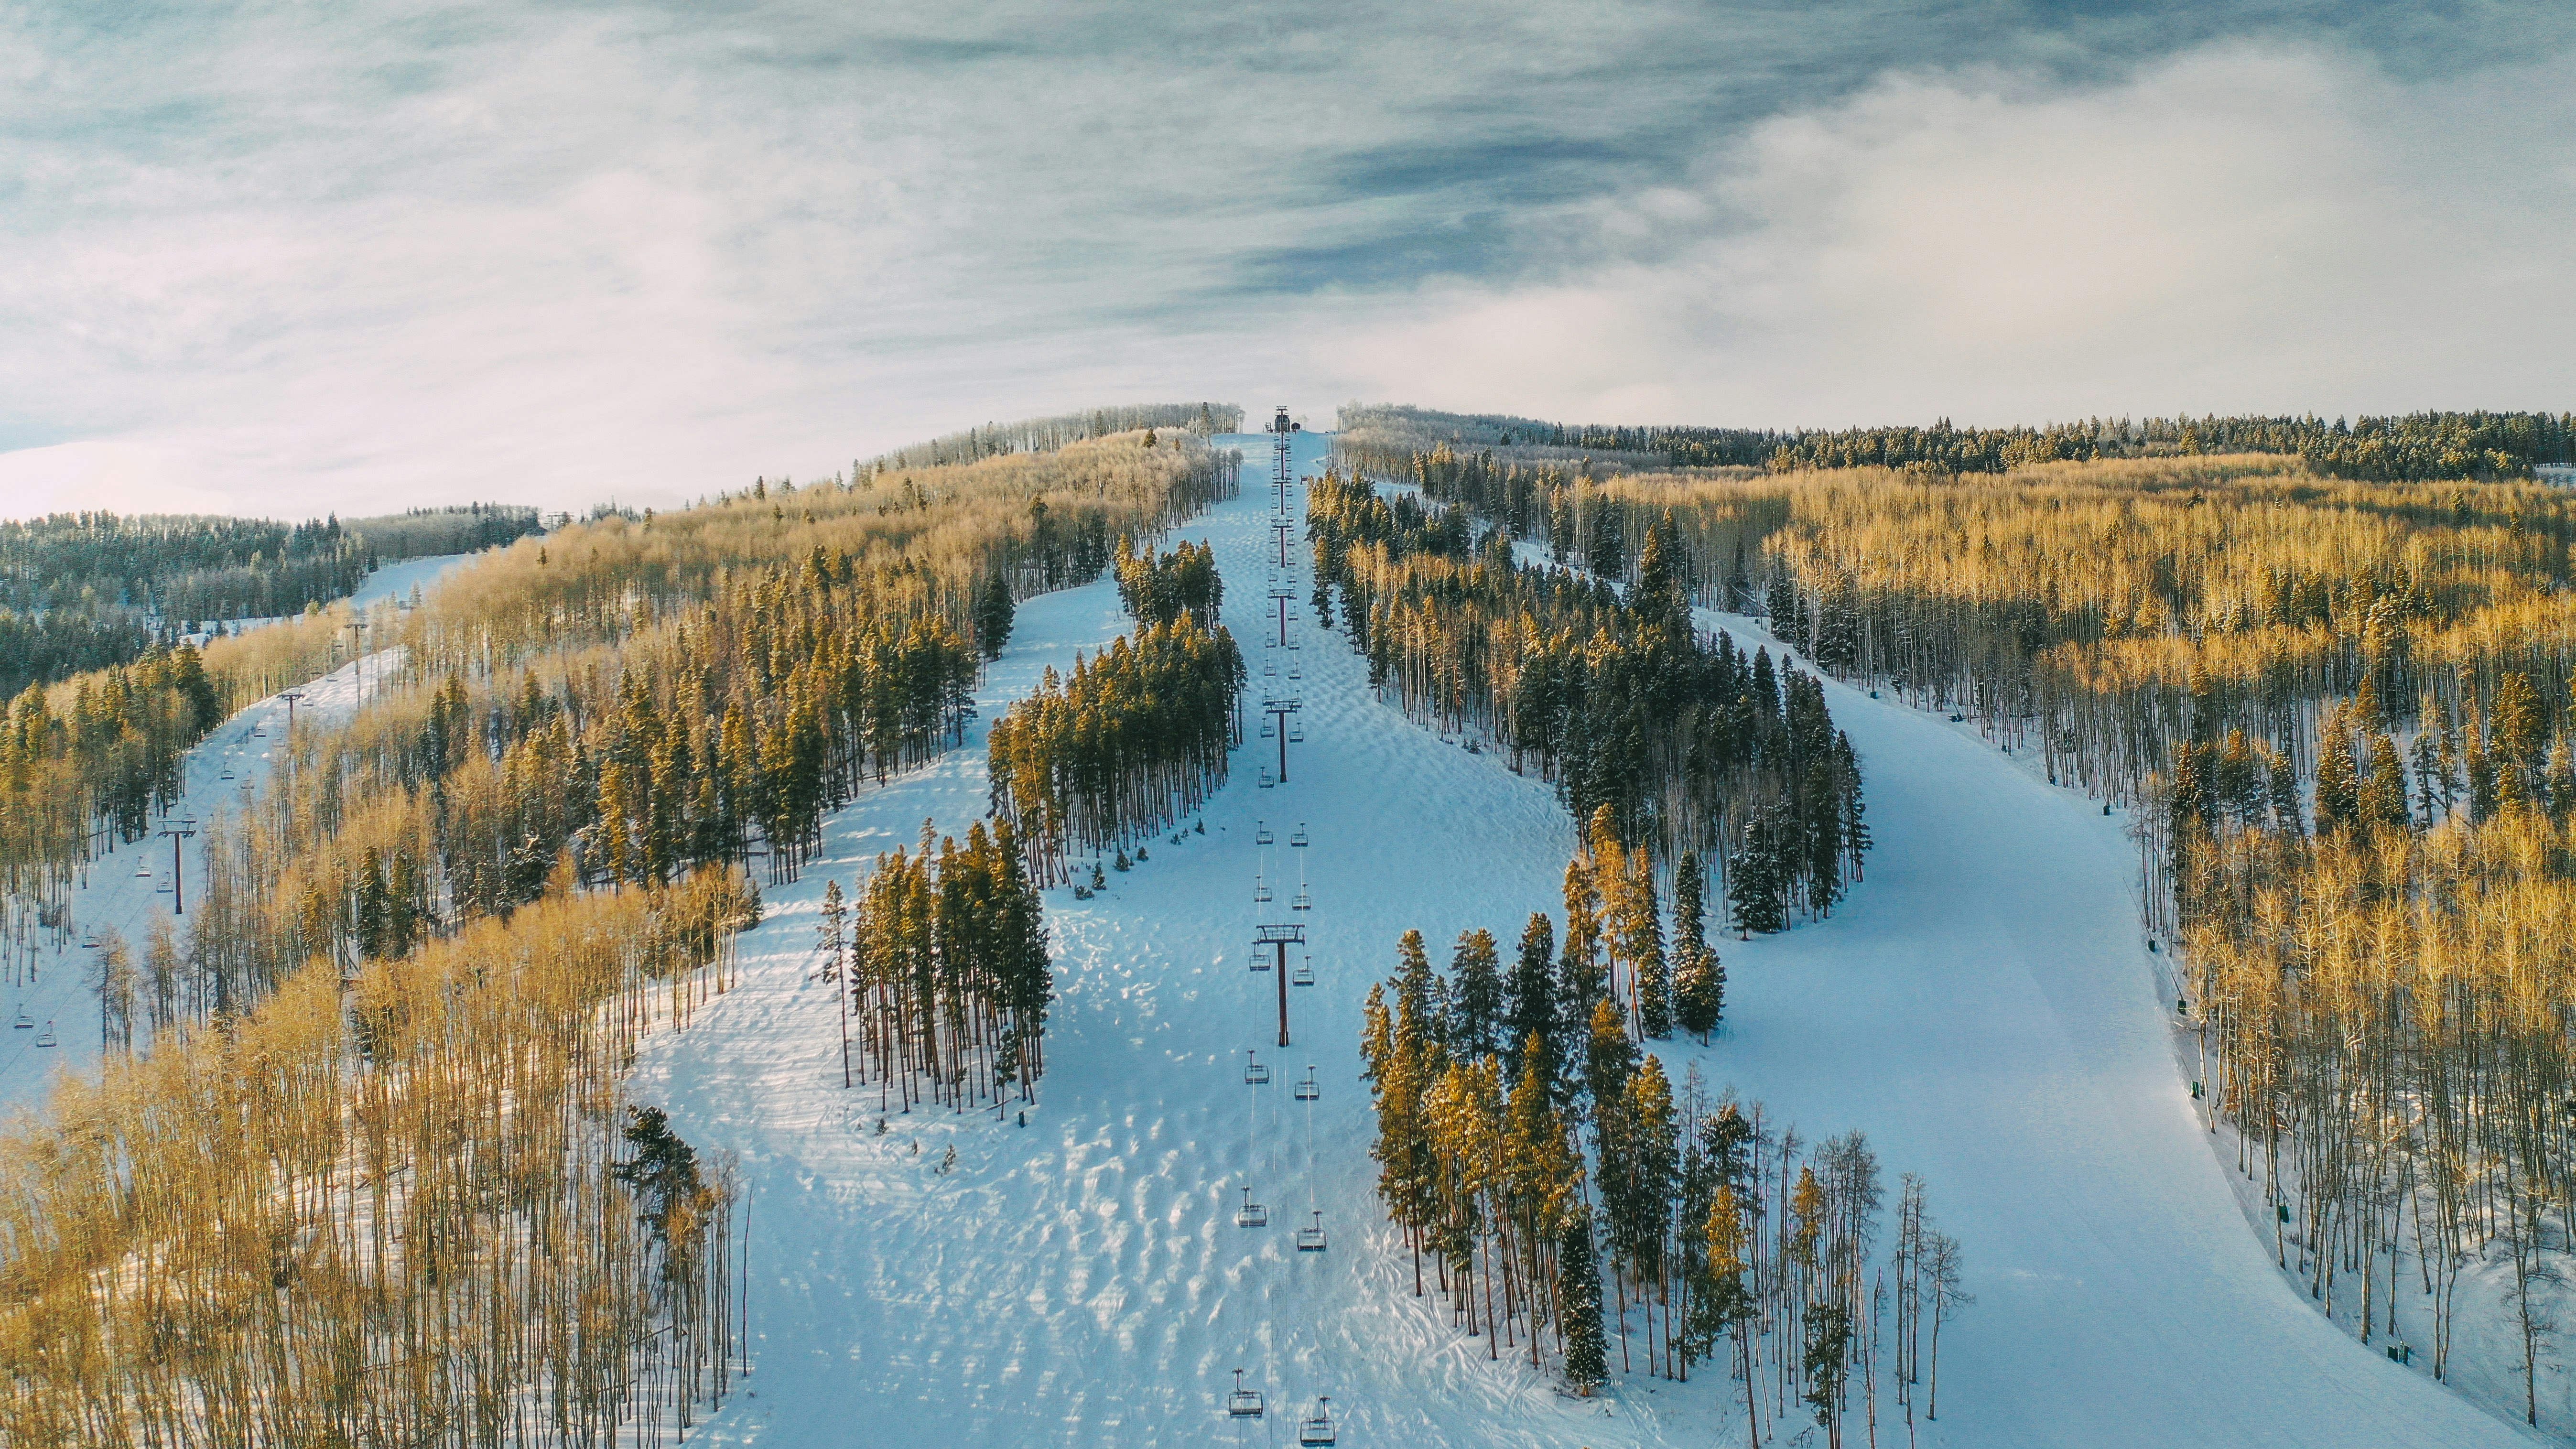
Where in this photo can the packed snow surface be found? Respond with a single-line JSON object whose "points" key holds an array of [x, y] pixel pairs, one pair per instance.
{"points": [[1982, 1007]]}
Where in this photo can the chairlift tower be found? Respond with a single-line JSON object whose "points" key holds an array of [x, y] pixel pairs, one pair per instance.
{"points": [[1280, 938], [1282, 708], [185, 829]]}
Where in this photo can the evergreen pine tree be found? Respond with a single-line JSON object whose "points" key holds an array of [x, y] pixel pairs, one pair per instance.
{"points": [[1530, 1014], [1579, 974], [1780, 604], [1753, 878], [1476, 996], [1654, 974], [829, 931], [2383, 791], [994, 612], [1578, 1296], [2338, 796], [1699, 982]]}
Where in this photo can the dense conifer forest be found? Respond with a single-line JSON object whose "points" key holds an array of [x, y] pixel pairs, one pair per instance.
{"points": [[1527, 1133], [533, 847], [1684, 742]]}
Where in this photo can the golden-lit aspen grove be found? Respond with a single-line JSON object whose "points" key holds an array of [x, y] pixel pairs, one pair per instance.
{"points": [[2340, 710], [361, 1168]]}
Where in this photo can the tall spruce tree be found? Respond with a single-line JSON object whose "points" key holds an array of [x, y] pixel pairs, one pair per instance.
{"points": [[1578, 1296], [1699, 980], [994, 612], [1530, 1003], [1476, 996], [1754, 878]]}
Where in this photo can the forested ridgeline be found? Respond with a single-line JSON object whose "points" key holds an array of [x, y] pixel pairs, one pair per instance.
{"points": [[1688, 744], [2417, 447], [586, 730], [862, 599], [1046, 435], [417, 1209], [661, 732], [1522, 1140], [84, 591], [2104, 612]]}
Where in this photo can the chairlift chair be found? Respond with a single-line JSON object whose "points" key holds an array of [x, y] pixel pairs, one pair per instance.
{"points": [[24, 1021], [45, 1038], [1301, 902], [1297, 837], [1266, 730], [1255, 1074], [1304, 975], [1260, 962], [1309, 1089], [1261, 832], [1296, 732], [1266, 781], [226, 774], [1311, 1240], [1251, 1214], [1317, 1429], [1260, 889], [1243, 1403]]}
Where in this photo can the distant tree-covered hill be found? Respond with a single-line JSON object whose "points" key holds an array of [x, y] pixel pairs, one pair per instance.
{"points": [[85, 591]]}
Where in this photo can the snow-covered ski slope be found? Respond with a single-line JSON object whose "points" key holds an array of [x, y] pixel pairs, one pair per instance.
{"points": [[1982, 1007], [129, 887]]}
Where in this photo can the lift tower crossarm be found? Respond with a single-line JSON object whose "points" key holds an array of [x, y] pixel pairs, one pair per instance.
{"points": [[1281, 938]]}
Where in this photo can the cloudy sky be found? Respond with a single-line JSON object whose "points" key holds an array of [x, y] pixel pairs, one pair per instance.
{"points": [[281, 258]]}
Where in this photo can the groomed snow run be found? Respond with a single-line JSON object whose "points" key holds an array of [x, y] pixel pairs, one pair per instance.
{"points": [[1982, 1007]]}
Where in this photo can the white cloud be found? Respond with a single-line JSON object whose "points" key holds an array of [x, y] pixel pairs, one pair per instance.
{"points": [[368, 257], [118, 477], [2239, 229]]}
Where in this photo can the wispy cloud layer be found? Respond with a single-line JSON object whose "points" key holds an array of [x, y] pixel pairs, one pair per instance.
{"points": [[2242, 228], [281, 260]]}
